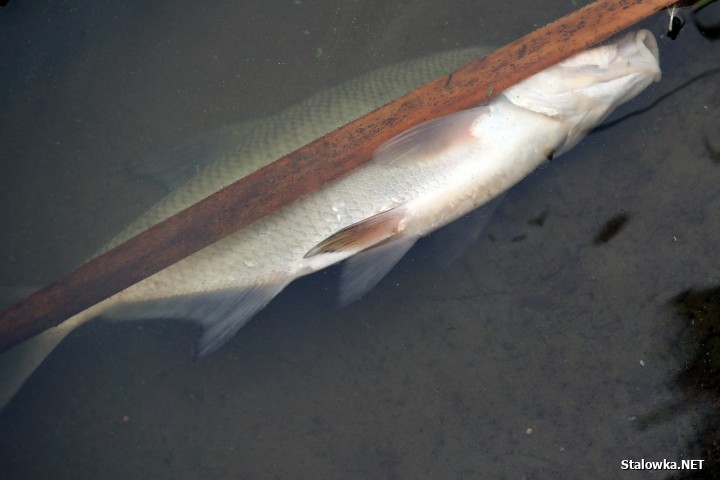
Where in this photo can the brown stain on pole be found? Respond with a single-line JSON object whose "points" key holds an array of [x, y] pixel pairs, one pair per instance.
{"points": [[313, 166]]}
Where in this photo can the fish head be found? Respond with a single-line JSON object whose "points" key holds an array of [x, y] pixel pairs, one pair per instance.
{"points": [[586, 87]]}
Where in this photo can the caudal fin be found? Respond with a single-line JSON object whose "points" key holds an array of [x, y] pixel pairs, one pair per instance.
{"points": [[21, 361]]}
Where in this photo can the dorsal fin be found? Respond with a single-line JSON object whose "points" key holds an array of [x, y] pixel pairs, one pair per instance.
{"points": [[173, 167]]}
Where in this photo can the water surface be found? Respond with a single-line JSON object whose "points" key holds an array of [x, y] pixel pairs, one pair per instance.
{"points": [[541, 353]]}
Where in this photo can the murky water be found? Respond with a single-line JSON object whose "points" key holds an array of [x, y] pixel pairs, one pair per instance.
{"points": [[541, 353]]}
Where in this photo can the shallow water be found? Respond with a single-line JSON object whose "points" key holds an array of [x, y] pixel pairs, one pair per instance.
{"points": [[541, 353]]}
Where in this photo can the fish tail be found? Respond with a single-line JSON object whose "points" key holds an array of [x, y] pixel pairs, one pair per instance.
{"points": [[21, 361]]}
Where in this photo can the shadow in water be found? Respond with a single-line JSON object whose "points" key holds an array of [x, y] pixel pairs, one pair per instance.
{"points": [[699, 379]]}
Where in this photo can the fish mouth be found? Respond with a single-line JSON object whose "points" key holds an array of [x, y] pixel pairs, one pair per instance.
{"points": [[635, 53], [642, 48]]}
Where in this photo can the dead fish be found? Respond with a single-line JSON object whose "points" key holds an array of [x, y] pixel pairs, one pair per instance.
{"points": [[419, 181]]}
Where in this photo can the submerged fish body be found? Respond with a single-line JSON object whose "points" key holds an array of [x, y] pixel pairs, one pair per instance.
{"points": [[421, 180]]}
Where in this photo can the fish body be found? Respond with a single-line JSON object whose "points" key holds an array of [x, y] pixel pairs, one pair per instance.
{"points": [[419, 181]]}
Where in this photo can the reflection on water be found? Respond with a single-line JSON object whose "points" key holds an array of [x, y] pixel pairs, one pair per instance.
{"points": [[542, 352]]}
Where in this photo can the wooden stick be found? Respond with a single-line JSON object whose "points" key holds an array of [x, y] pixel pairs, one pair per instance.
{"points": [[314, 165]]}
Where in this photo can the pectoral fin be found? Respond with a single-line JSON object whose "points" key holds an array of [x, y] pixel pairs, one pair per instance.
{"points": [[363, 234], [430, 140], [374, 246]]}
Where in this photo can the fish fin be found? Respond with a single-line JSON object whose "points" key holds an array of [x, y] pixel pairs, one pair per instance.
{"points": [[220, 313], [18, 363], [21, 361], [173, 167], [12, 295], [363, 271], [451, 241], [363, 234], [225, 320], [431, 139]]}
